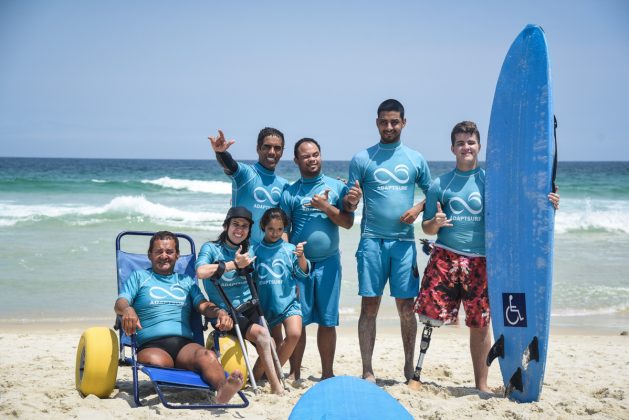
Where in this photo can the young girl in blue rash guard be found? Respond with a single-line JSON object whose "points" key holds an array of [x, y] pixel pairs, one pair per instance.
{"points": [[277, 265], [224, 259]]}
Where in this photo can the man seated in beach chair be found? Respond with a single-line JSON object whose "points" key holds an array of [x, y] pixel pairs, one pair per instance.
{"points": [[156, 304]]}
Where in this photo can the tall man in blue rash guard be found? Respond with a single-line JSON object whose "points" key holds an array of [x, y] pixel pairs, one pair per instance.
{"points": [[456, 272], [314, 205], [157, 304], [386, 174], [255, 187]]}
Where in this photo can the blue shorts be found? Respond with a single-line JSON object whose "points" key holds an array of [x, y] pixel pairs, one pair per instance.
{"points": [[294, 308], [380, 260], [319, 293]]}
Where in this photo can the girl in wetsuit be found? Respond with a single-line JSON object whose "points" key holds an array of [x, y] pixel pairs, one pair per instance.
{"points": [[278, 264]]}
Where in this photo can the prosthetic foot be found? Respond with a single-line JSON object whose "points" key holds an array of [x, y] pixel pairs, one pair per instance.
{"points": [[414, 383]]}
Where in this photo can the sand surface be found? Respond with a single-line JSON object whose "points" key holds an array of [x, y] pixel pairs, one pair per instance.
{"points": [[587, 375]]}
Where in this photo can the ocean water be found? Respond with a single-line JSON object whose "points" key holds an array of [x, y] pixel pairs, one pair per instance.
{"points": [[59, 219]]}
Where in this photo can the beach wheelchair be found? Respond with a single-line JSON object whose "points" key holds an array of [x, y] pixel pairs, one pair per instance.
{"points": [[101, 350]]}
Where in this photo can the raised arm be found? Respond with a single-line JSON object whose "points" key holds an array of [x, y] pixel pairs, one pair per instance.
{"points": [[241, 260], [352, 198], [339, 217], [301, 258], [432, 226], [224, 158]]}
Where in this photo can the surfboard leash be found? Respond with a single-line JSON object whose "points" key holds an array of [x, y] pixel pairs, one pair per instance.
{"points": [[555, 158]]}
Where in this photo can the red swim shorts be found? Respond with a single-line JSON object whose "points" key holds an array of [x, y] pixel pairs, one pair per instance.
{"points": [[450, 279]]}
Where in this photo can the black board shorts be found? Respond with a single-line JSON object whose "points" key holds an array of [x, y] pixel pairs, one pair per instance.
{"points": [[171, 345]]}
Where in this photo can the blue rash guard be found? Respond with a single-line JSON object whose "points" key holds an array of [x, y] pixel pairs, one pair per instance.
{"points": [[387, 174], [277, 267], [235, 287], [311, 224], [258, 189], [163, 303], [462, 197]]}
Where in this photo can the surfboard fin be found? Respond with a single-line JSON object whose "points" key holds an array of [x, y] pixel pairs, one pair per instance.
{"points": [[533, 350], [515, 383], [498, 349]]}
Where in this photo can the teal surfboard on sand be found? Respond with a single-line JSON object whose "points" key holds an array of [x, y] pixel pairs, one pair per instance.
{"points": [[346, 397], [519, 219]]}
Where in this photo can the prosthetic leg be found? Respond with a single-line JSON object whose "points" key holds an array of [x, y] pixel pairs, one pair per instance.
{"points": [[414, 383]]}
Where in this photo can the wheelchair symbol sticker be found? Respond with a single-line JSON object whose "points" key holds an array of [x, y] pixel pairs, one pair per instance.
{"points": [[514, 308]]}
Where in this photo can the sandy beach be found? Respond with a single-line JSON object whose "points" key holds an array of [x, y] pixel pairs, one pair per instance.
{"points": [[586, 376]]}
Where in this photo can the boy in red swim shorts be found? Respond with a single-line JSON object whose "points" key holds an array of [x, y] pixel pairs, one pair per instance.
{"points": [[456, 271]]}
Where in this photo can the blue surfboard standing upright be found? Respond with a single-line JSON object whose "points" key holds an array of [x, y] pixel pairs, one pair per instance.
{"points": [[519, 219]]}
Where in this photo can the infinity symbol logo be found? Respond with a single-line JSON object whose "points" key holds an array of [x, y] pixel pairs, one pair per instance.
{"points": [[175, 291], [384, 176], [474, 200], [231, 276], [273, 196], [270, 270]]}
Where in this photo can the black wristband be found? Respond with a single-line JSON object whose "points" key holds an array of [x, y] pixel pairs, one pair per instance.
{"points": [[228, 163], [219, 271]]}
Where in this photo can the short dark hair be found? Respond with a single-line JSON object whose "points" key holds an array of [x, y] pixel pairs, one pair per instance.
{"points": [[273, 213], [161, 236], [391, 105], [269, 131], [467, 127], [305, 140]]}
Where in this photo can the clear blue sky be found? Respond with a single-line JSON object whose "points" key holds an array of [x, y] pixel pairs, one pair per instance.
{"points": [[152, 79]]}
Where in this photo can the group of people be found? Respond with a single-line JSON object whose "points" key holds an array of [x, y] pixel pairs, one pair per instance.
{"points": [[288, 235]]}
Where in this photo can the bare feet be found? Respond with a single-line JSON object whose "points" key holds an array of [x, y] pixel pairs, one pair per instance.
{"points": [[324, 377], [299, 383], [369, 377], [277, 391], [229, 387]]}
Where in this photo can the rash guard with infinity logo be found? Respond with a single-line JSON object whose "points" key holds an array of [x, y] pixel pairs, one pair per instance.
{"points": [[461, 195], [235, 286], [163, 303], [387, 174], [257, 189], [311, 224], [277, 267]]}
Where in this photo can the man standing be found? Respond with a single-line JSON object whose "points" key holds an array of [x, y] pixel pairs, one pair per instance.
{"points": [[386, 174], [255, 187], [314, 205]]}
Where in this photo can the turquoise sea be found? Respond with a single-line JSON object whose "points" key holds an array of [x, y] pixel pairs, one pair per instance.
{"points": [[59, 219]]}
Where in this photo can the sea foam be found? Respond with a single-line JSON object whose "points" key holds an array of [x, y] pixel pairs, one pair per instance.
{"points": [[11, 214], [210, 187], [592, 215]]}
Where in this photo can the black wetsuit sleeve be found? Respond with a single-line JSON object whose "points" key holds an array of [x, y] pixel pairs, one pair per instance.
{"points": [[228, 163]]}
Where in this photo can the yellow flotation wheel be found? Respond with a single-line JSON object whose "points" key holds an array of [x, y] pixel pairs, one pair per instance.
{"points": [[232, 357], [97, 362]]}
